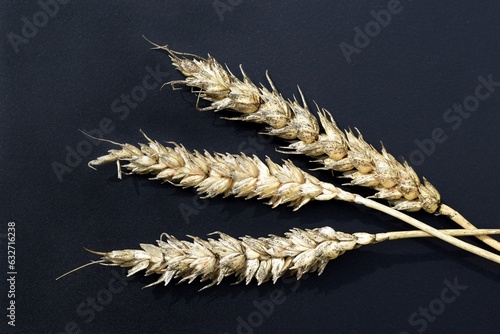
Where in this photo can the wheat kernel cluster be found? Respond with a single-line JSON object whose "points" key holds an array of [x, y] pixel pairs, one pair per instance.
{"points": [[224, 174], [297, 253]]}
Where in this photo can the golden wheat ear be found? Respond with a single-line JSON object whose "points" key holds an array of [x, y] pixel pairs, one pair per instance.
{"points": [[264, 259], [242, 176], [342, 151]]}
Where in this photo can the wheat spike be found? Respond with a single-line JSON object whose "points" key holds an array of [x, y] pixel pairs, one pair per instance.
{"points": [[264, 259], [243, 176], [336, 150], [224, 174]]}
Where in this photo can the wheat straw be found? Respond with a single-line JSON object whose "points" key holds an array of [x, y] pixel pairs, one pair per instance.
{"points": [[243, 176], [346, 152], [298, 252]]}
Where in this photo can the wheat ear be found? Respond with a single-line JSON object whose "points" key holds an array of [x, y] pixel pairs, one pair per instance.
{"points": [[243, 176], [298, 252], [335, 150]]}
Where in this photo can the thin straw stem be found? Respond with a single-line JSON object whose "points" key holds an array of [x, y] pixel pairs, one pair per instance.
{"points": [[428, 229], [460, 220], [398, 235]]}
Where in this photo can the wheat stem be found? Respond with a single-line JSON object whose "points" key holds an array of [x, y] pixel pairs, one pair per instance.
{"points": [[297, 252], [424, 227], [345, 152], [243, 176], [398, 235], [460, 220]]}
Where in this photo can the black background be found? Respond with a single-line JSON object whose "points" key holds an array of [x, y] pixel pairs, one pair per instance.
{"points": [[397, 89]]}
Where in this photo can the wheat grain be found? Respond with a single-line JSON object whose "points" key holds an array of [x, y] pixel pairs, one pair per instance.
{"points": [[296, 253], [243, 176], [346, 152]]}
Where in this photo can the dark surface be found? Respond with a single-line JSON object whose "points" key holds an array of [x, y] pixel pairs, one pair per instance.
{"points": [[397, 89]]}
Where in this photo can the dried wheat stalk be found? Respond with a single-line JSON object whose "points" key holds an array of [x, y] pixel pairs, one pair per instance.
{"points": [[296, 253], [345, 152], [243, 176]]}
